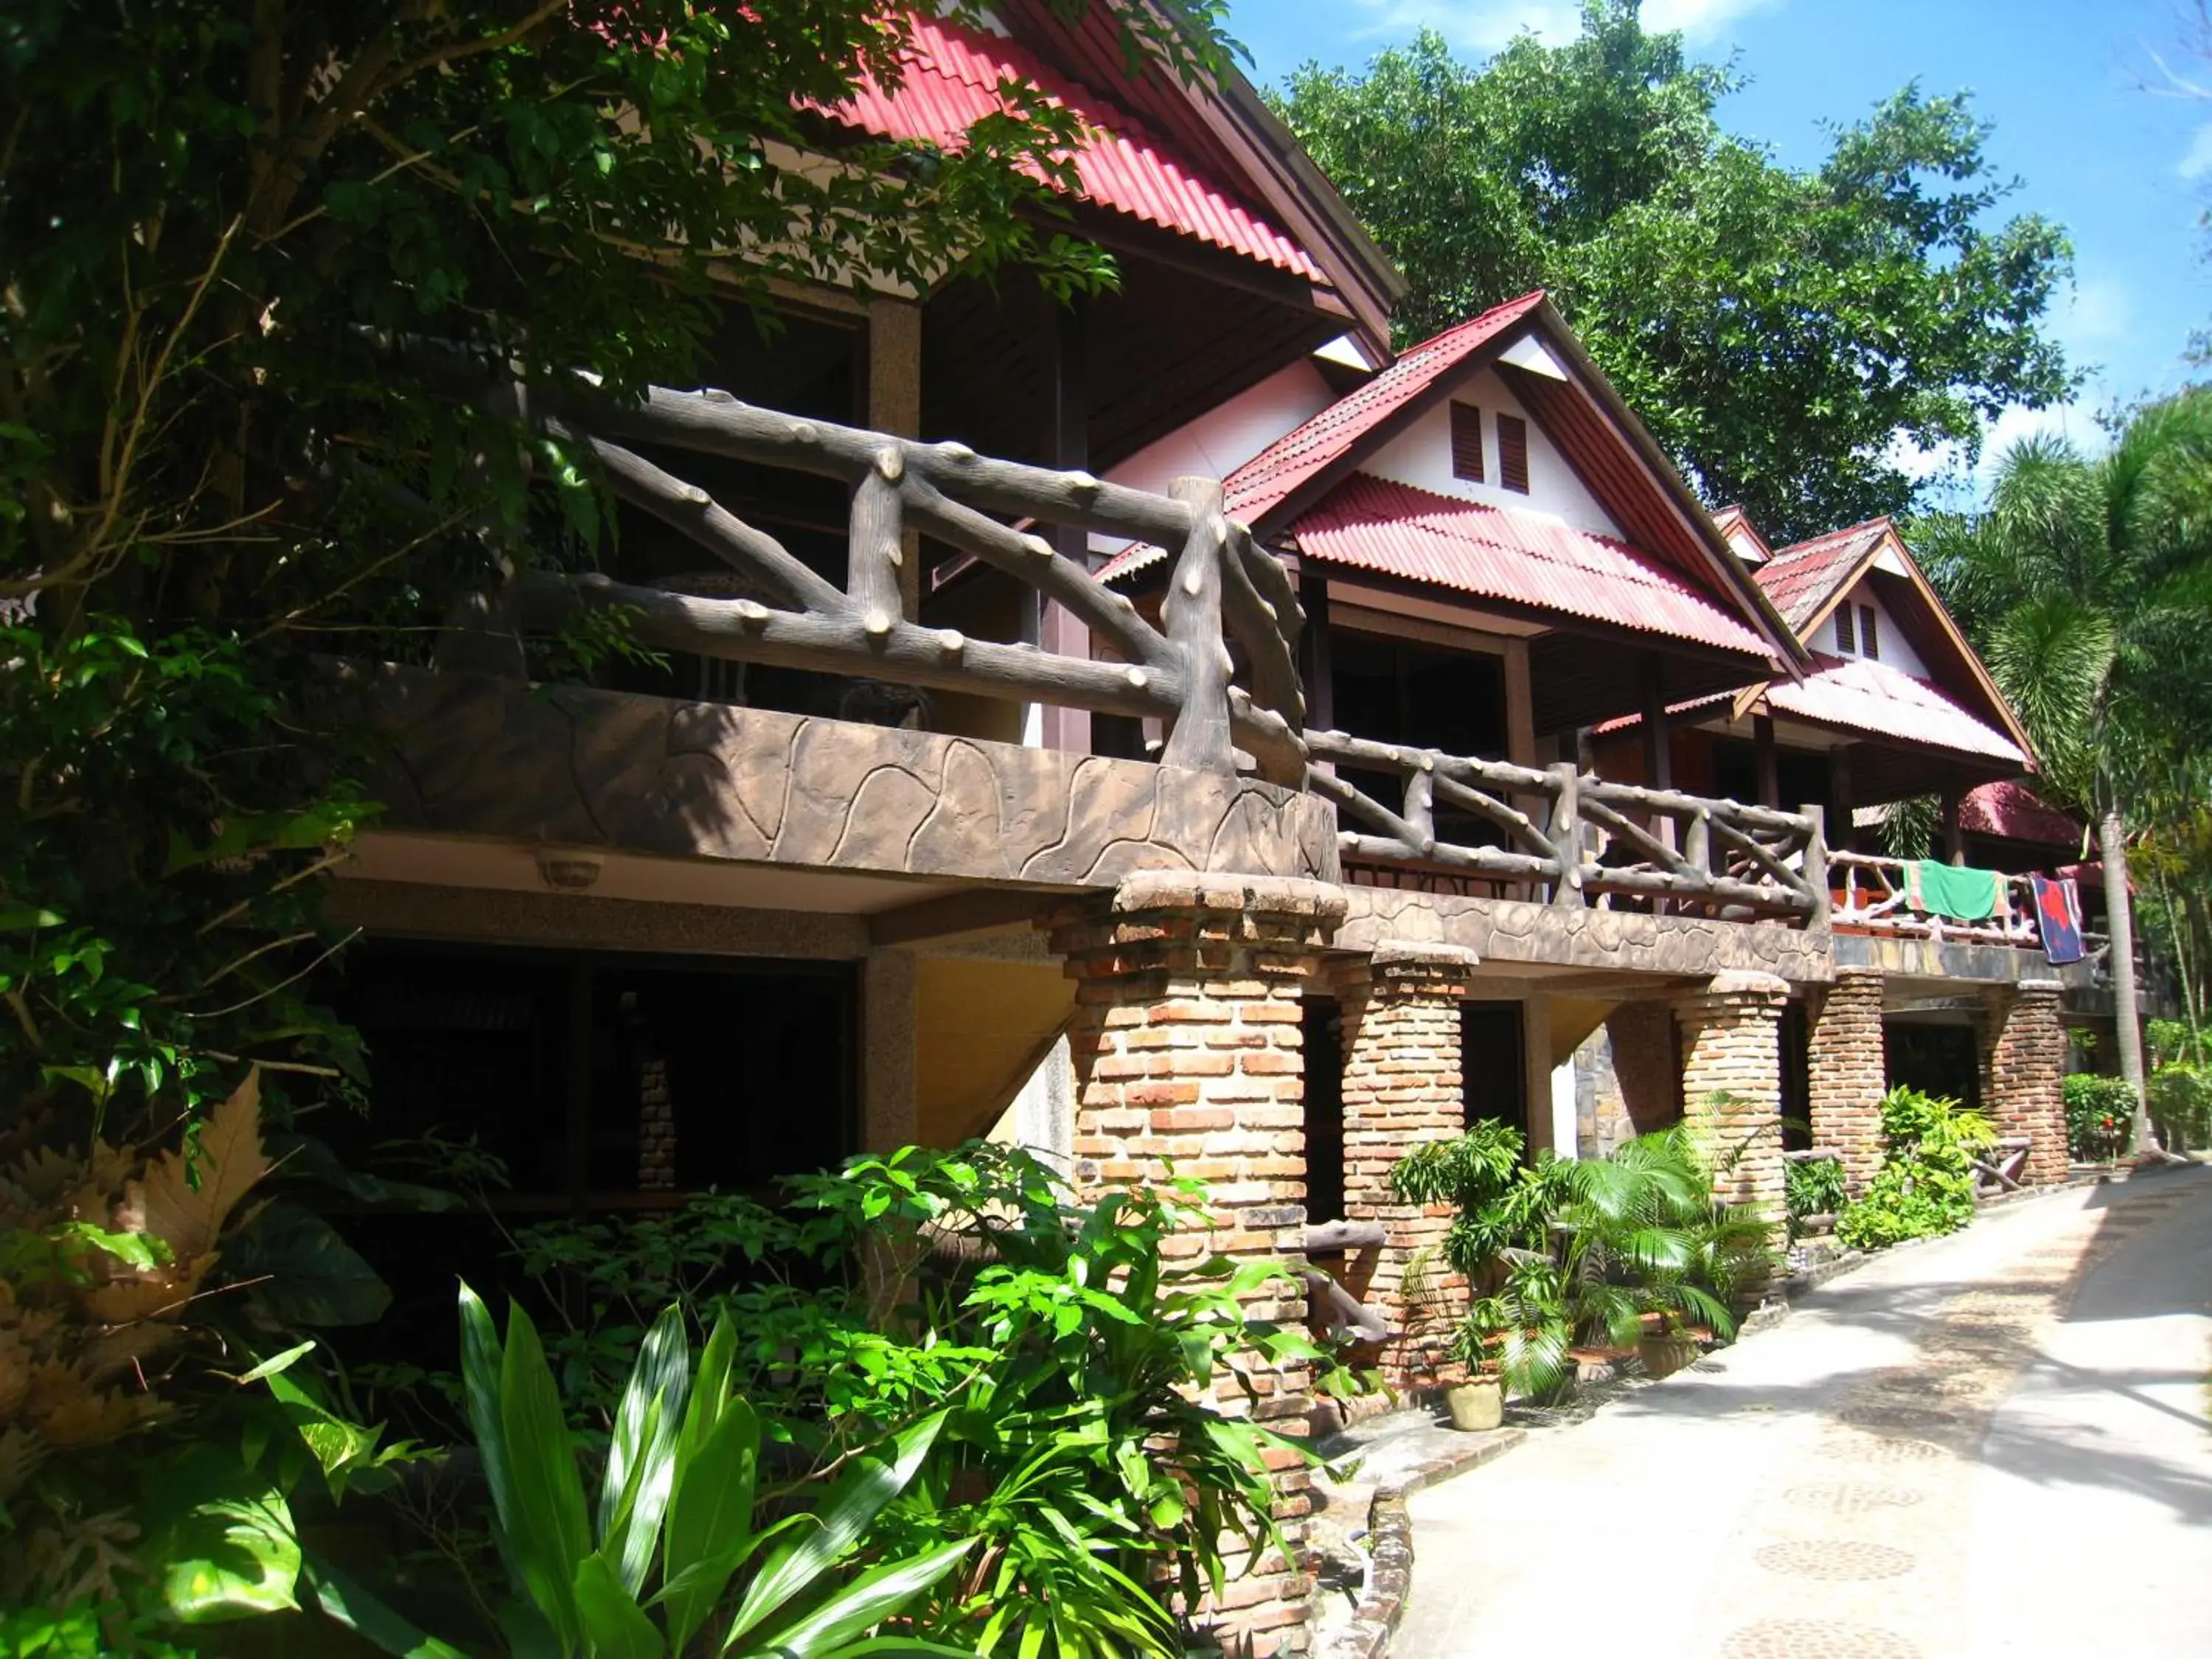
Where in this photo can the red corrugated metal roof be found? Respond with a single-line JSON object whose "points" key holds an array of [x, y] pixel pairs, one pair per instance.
{"points": [[2015, 812], [1888, 703], [1515, 557], [952, 79], [1803, 578], [1269, 477]]}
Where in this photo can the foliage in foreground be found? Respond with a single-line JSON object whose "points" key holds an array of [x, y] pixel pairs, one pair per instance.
{"points": [[1567, 1252], [682, 1518], [1778, 329], [1077, 1359], [1925, 1185]]}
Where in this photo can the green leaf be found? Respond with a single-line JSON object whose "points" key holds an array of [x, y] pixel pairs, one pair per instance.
{"points": [[709, 1526], [874, 1596], [547, 1529], [641, 1457], [614, 1624], [220, 1543], [851, 1504], [27, 918], [312, 1276], [340, 1599]]}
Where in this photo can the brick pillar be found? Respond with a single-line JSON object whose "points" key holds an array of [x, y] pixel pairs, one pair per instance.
{"points": [[1402, 1087], [1848, 1072], [1732, 1046], [1188, 1050], [2023, 1065]]}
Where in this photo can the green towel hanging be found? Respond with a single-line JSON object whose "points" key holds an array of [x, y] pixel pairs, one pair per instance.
{"points": [[1938, 889]]}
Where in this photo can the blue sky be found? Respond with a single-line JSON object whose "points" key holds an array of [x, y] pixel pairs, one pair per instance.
{"points": [[2080, 92]]}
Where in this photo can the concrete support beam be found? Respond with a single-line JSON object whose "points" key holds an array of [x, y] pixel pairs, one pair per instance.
{"points": [[890, 1114]]}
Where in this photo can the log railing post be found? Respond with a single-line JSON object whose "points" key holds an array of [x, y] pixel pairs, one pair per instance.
{"points": [[878, 548], [1816, 863], [1200, 741], [1420, 803], [1565, 832]]}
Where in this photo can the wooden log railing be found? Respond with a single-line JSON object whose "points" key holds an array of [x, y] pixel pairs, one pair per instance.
{"points": [[1871, 897], [1574, 838], [1223, 587]]}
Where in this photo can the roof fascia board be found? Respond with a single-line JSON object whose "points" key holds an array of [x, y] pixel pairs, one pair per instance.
{"points": [[1720, 559], [1936, 612]]}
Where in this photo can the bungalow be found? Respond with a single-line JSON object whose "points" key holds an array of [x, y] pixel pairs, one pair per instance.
{"points": [[1173, 730]]}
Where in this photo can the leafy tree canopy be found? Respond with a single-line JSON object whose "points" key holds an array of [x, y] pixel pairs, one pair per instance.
{"points": [[221, 227], [1778, 330]]}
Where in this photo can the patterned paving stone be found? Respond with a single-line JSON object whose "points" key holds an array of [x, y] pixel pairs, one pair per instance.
{"points": [[1815, 1639], [1851, 1498], [1842, 1559]]}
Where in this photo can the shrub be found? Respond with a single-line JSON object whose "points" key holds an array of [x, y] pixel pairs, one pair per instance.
{"points": [[2181, 1101], [1814, 1186], [1925, 1185], [1078, 1357], [1571, 1251], [2098, 1109]]}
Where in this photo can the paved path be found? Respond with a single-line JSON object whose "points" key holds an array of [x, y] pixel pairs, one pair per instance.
{"points": [[1996, 1444]]}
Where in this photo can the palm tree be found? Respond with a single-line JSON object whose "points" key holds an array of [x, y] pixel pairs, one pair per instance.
{"points": [[2085, 583]]}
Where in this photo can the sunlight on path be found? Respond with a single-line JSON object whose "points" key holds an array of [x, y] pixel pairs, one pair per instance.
{"points": [[1819, 1492]]}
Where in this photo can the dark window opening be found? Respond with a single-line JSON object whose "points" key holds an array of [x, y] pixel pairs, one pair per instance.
{"points": [[597, 1078], [1467, 442], [1429, 698], [1494, 1072], [1844, 641], [1513, 453], [1796, 1079], [1323, 1026], [1869, 639], [1941, 1060]]}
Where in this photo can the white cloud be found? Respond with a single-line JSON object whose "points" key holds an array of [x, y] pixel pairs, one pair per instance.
{"points": [[1485, 25], [2198, 161]]}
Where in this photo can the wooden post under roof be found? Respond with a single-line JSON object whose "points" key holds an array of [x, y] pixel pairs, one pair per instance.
{"points": [[1955, 835], [1316, 661], [895, 406], [1769, 762], [1067, 442], [1843, 802], [1658, 746]]}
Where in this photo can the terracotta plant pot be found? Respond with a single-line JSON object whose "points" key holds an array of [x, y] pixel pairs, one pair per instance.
{"points": [[1476, 1405], [1664, 1355]]}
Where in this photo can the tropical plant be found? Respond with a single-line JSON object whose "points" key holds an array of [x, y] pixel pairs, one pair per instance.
{"points": [[2098, 1108], [1778, 329], [2181, 1101], [2085, 583], [1085, 1446], [686, 1542], [1582, 1251], [1811, 1187], [1925, 1185]]}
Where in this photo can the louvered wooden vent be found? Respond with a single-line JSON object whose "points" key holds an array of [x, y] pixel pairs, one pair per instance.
{"points": [[1844, 641], [1513, 453], [1467, 442], [1870, 637]]}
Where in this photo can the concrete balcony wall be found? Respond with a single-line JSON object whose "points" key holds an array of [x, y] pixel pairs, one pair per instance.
{"points": [[567, 767]]}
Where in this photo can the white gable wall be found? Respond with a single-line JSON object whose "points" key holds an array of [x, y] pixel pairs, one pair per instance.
{"points": [[1421, 456], [1223, 439], [1895, 649]]}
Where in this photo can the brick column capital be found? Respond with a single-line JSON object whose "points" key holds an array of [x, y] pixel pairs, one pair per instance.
{"points": [[1171, 923], [1442, 973], [1736, 993]]}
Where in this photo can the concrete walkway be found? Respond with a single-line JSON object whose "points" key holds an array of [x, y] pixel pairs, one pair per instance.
{"points": [[1995, 1444]]}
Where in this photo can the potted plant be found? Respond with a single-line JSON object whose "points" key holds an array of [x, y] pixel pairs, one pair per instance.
{"points": [[1478, 1401]]}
